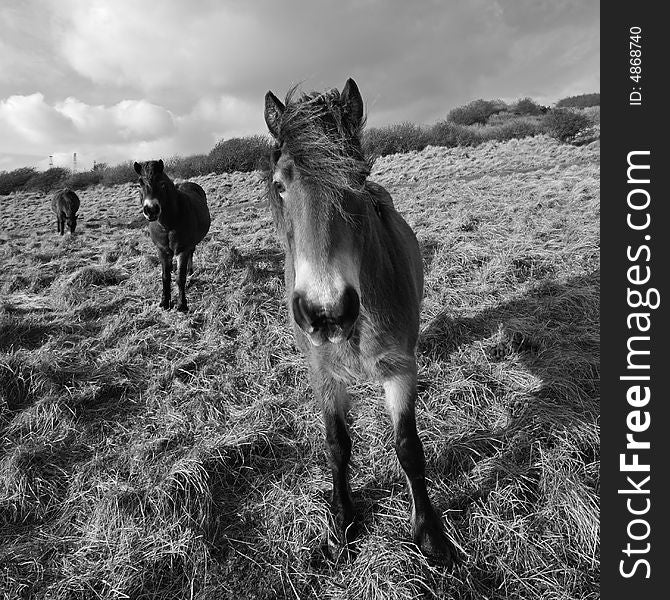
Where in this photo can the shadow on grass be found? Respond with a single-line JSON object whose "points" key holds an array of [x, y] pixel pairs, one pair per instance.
{"points": [[19, 333], [234, 475], [552, 331]]}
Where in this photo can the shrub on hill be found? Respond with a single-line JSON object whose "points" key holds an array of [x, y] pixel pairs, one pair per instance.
{"points": [[405, 137], [592, 113], [122, 173], [564, 124], [48, 180], [188, 166], [450, 134], [512, 129], [500, 118], [14, 181], [527, 106], [84, 179], [477, 111], [392, 139], [580, 101], [238, 154]]}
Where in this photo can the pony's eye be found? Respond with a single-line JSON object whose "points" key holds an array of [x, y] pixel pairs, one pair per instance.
{"points": [[279, 186]]}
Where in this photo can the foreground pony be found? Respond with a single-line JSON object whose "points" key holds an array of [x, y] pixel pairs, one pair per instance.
{"points": [[354, 281]]}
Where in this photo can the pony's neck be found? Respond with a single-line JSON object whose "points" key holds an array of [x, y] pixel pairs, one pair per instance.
{"points": [[169, 207]]}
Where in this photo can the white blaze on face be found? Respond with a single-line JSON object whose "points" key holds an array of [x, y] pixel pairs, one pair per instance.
{"points": [[151, 205]]}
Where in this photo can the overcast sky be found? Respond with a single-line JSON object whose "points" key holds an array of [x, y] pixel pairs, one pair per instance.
{"points": [[116, 80]]}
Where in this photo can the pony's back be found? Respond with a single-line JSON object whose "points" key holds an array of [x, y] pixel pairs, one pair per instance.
{"points": [[66, 201]]}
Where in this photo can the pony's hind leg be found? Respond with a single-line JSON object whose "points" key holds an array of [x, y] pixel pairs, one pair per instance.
{"points": [[182, 267], [334, 405], [190, 263], [427, 528], [166, 276]]}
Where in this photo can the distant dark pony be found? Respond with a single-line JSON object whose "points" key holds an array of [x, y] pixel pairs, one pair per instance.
{"points": [[65, 204], [354, 281], [179, 220]]}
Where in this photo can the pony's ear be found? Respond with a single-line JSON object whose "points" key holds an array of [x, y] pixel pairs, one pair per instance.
{"points": [[273, 112], [138, 168], [159, 166], [352, 102]]}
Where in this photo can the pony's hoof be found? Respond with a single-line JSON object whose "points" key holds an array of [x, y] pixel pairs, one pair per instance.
{"points": [[342, 532], [182, 307], [164, 304], [434, 544]]}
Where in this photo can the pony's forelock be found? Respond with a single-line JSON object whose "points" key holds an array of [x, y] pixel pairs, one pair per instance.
{"points": [[323, 142]]}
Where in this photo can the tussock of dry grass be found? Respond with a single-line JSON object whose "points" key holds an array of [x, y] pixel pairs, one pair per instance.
{"points": [[148, 454]]}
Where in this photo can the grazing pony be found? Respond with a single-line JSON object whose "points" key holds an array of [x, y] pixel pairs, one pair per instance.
{"points": [[65, 203], [354, 282], [178, 220]]}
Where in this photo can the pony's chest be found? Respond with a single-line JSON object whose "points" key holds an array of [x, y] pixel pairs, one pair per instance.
{"points": [[159, 235], [166, 239], [345, 363], [350, 363]]}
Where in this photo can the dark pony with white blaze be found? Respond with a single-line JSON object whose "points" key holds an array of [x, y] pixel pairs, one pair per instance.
{"points": [[178, 220], [65, 204], [354, 281]]}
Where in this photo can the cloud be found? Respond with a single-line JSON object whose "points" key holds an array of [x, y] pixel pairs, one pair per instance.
{"points": [[28, 48], [31, 121], [128, 129], [28, 122], [248, 47], [397, 50], [174, 47], [128, 120]]}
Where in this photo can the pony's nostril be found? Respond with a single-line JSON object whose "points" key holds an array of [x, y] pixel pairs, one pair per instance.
{"points": [[150, 210], [351, 306], [302, 313]]}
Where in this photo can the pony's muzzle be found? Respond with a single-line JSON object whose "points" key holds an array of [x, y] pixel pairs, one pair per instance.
{"points": [[334, 324], [151, 210]]}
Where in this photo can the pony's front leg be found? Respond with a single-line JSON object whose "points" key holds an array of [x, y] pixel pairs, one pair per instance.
{"points": [[182, 268], [334, 405], [166, 276], [427, 528]]}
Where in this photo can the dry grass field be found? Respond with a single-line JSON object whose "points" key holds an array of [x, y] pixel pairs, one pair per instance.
{"points": [[151, 454]]}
